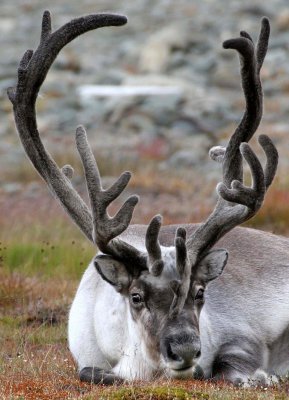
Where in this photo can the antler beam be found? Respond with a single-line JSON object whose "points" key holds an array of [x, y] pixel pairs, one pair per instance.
{"points": [[251, 60], [32, 71], [96, 223], [238, 203]]}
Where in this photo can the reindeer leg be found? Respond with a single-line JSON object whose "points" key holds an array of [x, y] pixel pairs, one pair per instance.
{"points": [[98, 375], [240, 362]]}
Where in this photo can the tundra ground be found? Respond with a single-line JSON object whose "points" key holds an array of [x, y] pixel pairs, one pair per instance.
{"points": [[42, 257]]}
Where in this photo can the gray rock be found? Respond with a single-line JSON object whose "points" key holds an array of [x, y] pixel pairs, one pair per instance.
{"points": [[157, 52], [166, 43], [12, 187], [193, 152], [185, 158]]}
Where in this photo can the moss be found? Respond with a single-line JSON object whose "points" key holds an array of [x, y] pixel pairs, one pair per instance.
{"points": [[152, 393]]}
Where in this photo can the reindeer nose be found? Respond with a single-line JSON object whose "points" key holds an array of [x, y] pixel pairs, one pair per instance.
{"points": [[180, 353]]}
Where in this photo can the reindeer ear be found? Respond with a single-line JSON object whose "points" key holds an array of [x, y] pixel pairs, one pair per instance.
{"points": [[212, 265], [113, 272]]}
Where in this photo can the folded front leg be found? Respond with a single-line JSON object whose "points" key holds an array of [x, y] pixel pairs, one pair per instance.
{"points": [[98, 375], [241, 362]]}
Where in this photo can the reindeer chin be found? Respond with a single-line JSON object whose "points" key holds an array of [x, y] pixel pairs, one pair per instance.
{"points": [[184, 373]]}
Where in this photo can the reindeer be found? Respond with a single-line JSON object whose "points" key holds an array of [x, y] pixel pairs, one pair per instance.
{"points": [[149, 303]]}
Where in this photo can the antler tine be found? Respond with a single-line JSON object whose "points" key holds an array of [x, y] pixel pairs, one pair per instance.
{"points": [[240, 194], [32, 71], [68, 171], [251, 60], [263, 40], [105, 228], [155, 262], [246, 35], [51, 44], [272, 158], [89, 164], [181, 287], [261, 180], [216, 153], [247, 201], [181, 250]]}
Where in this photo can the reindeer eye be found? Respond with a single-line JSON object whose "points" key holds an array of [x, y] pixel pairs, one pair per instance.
{"points": [[136, 298], [200, 294]]}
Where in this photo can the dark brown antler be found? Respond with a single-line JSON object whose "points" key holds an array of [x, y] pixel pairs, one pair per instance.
{"points": [[105, 228], [251, 60], [238, 203], [32, 71], [247, 201], [96, 224], [155, 262], [181, 287]]}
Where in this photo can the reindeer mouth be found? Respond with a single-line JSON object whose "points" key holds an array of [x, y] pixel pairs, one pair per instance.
{"points": [[181, 373], [182, 369], [178, 369]]}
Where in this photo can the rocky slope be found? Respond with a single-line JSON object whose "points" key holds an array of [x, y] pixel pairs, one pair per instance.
{"points": [[168, 90]]}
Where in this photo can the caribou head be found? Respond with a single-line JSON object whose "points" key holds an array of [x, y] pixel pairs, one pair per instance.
{"points": [[157, 290]]}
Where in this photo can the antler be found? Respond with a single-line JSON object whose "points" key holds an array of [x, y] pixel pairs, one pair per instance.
{"points": [[251, 60], [155, 262], [180, 287], [105, 228], [32, 71], [246, 200], [96, 223], [236, 203]]}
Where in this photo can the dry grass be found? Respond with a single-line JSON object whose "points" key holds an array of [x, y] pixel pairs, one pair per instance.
{"points": [[36, 364], [46, 371], [42, 257], [34, 360], [274, 215]]}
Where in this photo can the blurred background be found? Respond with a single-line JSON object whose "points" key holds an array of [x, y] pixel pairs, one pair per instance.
{"points": [[154, 96]]}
